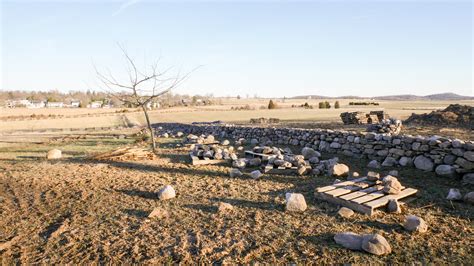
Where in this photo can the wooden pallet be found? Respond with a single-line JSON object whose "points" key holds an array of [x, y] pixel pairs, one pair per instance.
{"points": [[195, 160], [360, 195]]}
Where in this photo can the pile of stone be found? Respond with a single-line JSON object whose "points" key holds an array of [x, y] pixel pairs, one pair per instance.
{"points": [[389, 126], [454, 115], [263, 120], [214, 152], [358, 118], [202, 139]]}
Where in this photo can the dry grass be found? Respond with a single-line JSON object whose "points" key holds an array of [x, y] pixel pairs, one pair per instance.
{"points": [[79, 211], [399, 109]]}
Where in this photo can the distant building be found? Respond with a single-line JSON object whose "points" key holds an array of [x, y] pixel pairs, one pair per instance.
{"points": [[55, 104], [17, 103], [96, 104], [36, 104], [75, 104]]}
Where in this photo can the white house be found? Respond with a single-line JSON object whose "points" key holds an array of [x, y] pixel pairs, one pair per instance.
{"points": [[36, 104], [75, 104], [96, 104], [55, 104]]}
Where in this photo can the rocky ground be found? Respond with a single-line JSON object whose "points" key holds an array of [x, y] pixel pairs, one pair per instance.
{"points": [[75, 210]]}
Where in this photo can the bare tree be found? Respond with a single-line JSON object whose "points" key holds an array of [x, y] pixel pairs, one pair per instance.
{"points": [[142, 87]]}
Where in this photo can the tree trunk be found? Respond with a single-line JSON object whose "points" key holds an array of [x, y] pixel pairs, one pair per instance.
{"points": [[150, 128]]}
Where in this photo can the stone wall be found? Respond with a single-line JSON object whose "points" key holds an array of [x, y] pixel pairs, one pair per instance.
{"points": [[448, 157]]}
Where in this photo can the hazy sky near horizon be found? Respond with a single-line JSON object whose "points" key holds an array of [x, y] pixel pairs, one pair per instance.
{"points": [[267, 48]]}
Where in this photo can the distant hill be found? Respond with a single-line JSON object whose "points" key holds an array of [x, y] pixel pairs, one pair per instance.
{"points": [[403, 97]]}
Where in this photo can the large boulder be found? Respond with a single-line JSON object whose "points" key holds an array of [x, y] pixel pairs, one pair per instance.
{"points": [[339, 169], [423, 163], [166, 193], [415, 224], [376, 244], [54, 154], [295, 202], [349, 240]]}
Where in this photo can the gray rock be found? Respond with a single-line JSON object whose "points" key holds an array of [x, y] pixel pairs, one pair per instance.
{"points": [[253, 142], [255, 174], [469, 198], [239, 163], [338, 170], [449, 159], [394, 206], [464, 163], [335, 145], [309, 153], [405, 161], [389, 162], [345, 212], [255, 162], [393, 173], [454, 194], [375, 244], [313, 160], [349, 240], [374, 164], [166, 193], [235, 173], [414, 223], [392, 186], [468, 178], [445, 170], [295, 202], [423, 163]]}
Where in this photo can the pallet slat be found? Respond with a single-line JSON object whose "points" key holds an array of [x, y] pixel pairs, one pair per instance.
{"points": [[360, 193], [342, 184], [383, 201]]}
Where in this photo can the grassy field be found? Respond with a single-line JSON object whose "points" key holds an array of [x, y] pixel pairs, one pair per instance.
{"points": [[398, 109], [80, 211]]}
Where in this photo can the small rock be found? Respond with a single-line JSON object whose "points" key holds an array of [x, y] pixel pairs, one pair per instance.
{"points": [[394, 206], [239, 163], [54, 154], [374, 164], [469, 198], [336, 181], [414, 223], [376, 244], [454, 194], [158, 213], [373, 176], [166, 193], [225, 142], [393, 173], [224, 207], [295, 202], [338, 170], [313, 160], [392, 186], [235, 173], [345, 212], [301, 170], [468, 178], [255, 174], [349, 240], [309, 153], [445, 170], [389, 162], [255, 162]]}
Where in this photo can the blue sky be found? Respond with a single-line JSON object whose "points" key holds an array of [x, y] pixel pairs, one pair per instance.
{"points": [[268, 48]]}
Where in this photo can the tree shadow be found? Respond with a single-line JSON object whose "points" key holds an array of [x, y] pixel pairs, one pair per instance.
{"points": [[202, 207], [251, 204], [136, 213]]}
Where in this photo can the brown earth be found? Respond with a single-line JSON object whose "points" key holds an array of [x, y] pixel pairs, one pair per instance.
{"points": [[75, 210]]}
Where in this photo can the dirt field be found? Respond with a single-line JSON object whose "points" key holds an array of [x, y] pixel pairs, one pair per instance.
{"points": [[75, 210]]}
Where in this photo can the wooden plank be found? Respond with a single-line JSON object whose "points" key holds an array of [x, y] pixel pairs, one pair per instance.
{"points": [[374, 195], [348, 189], [384, 200], [342, 184], [361, 193], [345, 203]]}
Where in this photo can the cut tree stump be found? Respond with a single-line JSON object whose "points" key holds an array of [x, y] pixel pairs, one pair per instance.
{"points": [[360, 195], [195, 160]]}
